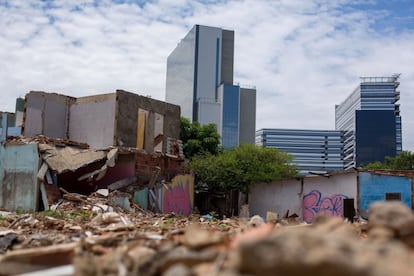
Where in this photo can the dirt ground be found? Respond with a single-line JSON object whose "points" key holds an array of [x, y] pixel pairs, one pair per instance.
{"points": [[89, 236]]}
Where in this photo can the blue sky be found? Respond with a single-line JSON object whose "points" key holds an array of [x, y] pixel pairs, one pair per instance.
{"points": [[303, 56], [391, 16]]}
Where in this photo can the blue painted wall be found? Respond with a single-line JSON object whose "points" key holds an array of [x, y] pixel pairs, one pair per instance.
{"points": [[12, 131], [19, 165], [373, 187]]}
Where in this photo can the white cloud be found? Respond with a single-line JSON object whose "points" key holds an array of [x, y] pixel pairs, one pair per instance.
{"points": [[303, 56]]}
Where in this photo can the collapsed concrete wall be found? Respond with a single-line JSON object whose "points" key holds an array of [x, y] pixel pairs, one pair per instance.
{"points": [[35, 171]]}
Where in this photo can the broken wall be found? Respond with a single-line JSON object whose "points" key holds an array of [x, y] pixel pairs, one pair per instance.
{"points": [[46, 114], [116, 119], [156, 120], [19, 165], [169, 166], [92, 120], [306, 196]]}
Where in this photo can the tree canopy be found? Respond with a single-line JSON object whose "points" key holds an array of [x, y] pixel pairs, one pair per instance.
{"points": [[241, 166], [199, 139], [403, 161]]}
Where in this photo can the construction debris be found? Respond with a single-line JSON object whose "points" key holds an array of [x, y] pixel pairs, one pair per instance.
{"points": [[75, 238]]}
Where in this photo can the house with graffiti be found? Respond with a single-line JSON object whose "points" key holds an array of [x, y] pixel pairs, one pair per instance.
{"points": [[338, 194]]}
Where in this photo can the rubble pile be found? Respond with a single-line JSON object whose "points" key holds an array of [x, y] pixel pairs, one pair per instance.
{"points": [[41, 139], [93, 236]]}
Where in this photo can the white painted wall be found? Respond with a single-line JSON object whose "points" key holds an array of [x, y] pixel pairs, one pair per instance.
{"points": [[344, 183], [277, 196], [92, 120]]}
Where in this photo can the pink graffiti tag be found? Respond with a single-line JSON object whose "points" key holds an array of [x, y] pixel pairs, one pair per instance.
{"points": [[313, 203], [177, 199]]}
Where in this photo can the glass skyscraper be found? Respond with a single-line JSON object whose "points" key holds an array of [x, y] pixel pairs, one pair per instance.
{"points": [[371, 121], [367, 129], [200, 81]]}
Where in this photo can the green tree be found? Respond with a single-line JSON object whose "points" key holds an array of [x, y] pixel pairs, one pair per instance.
{"points": [[374, 166], [199, 139], [403, 161], [241, 166]]}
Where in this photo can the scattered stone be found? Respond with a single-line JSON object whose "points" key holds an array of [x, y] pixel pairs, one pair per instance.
{"points": [[7, 241], [145, 243], [271, 217], [178, 269], [396, 217], [391, 214], [256, 221], [28, 260], [244, 211], [103, 192], [196, 237], [112, 221], [314, 251]]}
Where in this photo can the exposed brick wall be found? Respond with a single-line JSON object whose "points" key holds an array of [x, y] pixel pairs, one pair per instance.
{"points": [[170, 167]]}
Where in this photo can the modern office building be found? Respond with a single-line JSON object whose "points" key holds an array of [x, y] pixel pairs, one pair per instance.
{"points": [[371, 121], [315, 151], [200, 81], [367, 129]]}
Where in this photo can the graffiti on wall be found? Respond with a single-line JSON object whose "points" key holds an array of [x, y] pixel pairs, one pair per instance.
{"points": [[178, 196], [313, 204]]}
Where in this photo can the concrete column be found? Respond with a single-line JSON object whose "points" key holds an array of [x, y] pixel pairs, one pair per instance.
{"points": [[3, 137]]}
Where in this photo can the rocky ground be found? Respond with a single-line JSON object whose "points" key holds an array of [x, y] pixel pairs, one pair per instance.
{"points": [[89, 236]]}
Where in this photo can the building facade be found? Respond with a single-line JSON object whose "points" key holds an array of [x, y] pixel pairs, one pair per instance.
{"points": [[371, 121], [200, 81], [316, 151], [367, 129]]}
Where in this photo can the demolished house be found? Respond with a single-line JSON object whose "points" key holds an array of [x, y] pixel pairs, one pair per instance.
{"points": [[123, 143], [115, 119]]}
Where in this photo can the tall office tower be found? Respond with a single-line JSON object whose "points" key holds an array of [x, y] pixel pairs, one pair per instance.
{"points": [[200, 81], [371, 121]]}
